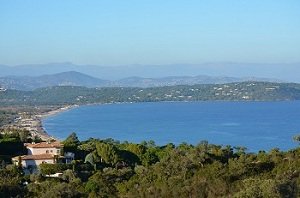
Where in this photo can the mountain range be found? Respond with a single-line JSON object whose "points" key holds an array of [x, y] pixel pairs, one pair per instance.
{"points": [[73, 78], [285, 71]]}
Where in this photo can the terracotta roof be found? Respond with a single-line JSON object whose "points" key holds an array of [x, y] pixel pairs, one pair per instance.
{"points": [[35, 157], [45, 145]]}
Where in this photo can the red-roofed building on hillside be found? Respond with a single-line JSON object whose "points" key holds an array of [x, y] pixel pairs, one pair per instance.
{"points": [[54, 148], [41, 153]]}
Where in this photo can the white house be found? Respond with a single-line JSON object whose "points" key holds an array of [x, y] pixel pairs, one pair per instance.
{"points": [[53, 148], [43, 152]]}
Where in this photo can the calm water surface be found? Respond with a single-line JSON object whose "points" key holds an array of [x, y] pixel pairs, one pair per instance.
{"points": [[256, 125]]}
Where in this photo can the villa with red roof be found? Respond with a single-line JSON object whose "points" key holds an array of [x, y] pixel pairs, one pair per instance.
{"points": [[41, 153]]}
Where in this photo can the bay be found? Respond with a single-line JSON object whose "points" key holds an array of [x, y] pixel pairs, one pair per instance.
{"points": [[255, 125]]}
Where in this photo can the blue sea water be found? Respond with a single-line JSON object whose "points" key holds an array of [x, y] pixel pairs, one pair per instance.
{"points": [[255, 125]]}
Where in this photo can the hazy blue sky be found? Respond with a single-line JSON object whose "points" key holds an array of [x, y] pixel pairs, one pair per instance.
{"points": [[119, 32]]}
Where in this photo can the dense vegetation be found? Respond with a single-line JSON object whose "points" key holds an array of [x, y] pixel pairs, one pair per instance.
{"points": [[6, 117], [12, 143], [108, 168], [257, 91]]}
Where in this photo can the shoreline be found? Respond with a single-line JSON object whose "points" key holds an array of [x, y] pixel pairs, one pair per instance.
{"points": [[43, 134], [56, 111], [39, 119], [35, 119], [34, 123]]}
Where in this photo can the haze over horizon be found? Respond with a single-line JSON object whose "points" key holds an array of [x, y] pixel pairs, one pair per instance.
{"points": [[287, 72], [149, 32]]}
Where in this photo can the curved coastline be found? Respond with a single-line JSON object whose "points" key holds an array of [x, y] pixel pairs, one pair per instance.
{"points": [[210, 131], [34, 124]]}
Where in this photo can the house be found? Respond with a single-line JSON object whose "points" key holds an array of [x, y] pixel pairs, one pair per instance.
{"points": [[52, 148], [41, 153]]}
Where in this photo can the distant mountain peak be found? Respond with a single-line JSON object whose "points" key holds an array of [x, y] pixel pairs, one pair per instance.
{"points": [[72, 78], [221, 69], [75, 78]]}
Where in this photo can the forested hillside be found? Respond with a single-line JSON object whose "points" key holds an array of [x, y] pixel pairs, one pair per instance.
{"points": [[246, 91], [108, 168]]}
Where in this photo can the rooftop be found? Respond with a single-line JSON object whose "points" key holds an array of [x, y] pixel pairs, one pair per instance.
{"points": [[35, 157], [45, 145]]}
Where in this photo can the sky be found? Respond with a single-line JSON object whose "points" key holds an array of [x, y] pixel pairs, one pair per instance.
{"points": [[122, 32]]}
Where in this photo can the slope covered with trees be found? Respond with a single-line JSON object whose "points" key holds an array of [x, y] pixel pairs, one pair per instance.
{"points": [[108, 168], [254, 91]]}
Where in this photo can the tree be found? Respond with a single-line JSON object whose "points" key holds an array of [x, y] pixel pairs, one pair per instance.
{"points": [[53, 189], [101, 185], [71, 142], [10, 180], [240, 150], [149, 157], [137, 149], [48, 169], [88, 146], [107, 152], [24, 135]]}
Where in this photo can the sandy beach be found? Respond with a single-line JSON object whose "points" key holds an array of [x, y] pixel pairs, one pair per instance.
{"points": [[34, 125]]}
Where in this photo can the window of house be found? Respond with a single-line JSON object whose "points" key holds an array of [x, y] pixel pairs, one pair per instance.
{"points": [[47, 151], [51, 151], [57, 151]]}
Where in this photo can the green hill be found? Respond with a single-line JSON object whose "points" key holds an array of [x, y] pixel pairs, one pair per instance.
{"points": [[245, 91]]}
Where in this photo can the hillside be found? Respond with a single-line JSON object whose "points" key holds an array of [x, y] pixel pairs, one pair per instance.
{"points": [[70, 78], [183, 80], [246, 91], [73, 78], [147, 170]]}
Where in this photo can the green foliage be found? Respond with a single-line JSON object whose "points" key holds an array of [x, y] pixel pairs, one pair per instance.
{"points": [[10, 182], [62, 95], [259, 188], [128, 158], [54, 189], [48, 169], [71, 143], [108, 153], [6, 117], [115, 169], [137, 149], [88, 146], [14, 135], [103, 183], [272, 188], [90, 159], [149, 157], [71, 140]]}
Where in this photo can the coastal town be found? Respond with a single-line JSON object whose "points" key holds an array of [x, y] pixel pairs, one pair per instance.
{"points": [[32, 122]]}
